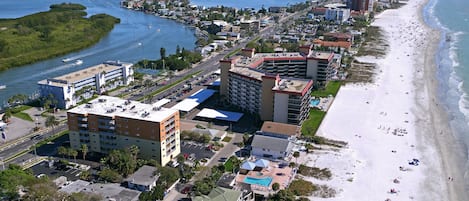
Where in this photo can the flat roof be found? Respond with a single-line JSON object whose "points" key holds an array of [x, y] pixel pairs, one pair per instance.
{"points": [[194, 100], [293, 85], [143, 176], [112, 191], [259, 58], [320, 55], [279, 128], [74, 187], [220, 115], [217, 82], [113, 106], [248, 72], [86, 73], [161, 102]]}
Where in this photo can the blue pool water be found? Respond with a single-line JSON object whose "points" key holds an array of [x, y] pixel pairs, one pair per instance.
{"points": [[315, 102], [263, 181]]}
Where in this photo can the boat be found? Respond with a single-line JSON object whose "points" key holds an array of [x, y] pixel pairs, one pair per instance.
{"points": [[66, 60], [139, 44], [3, 86], [78, 62]]}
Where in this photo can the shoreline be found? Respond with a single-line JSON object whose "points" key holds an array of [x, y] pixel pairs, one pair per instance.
{"points": [[444, 139], [392, 121]]}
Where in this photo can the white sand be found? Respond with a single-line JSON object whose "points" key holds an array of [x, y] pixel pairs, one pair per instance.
{"points": [[365, 116]]}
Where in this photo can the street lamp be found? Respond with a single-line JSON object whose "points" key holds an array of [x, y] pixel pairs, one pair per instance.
{"points": [[3, 163]]}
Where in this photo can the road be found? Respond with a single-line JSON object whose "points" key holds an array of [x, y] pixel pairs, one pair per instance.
{"points": [[25, 144]]}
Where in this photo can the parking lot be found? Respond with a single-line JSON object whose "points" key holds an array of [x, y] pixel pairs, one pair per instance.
{"points": [[54, 172], [200, 151]]}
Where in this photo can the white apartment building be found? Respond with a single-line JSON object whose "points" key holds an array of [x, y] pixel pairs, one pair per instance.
{"points": [[69, 89], [338, 13]]}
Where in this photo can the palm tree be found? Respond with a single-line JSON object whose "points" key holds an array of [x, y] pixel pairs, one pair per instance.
{"points": [[84, 150], [6, 117], [134, 151], [51, 121], [296, 155], [62, 151], [74, 153]]}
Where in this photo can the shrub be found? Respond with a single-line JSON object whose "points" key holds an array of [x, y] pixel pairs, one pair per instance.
{"points": [[227, 139], [302, 188], [110, 176], [275, 186], [315, 172]]}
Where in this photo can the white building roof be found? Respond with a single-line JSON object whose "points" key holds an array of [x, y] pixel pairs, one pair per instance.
{"points": [[220, 115], [194, 100], [113, 106], [161, 102]]}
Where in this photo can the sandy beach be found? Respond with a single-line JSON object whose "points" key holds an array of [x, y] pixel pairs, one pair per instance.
{"points": [[397, 135]]}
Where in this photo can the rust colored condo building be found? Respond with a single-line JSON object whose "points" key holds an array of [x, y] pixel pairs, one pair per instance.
{"points": [[276, 86], [109, 123]]}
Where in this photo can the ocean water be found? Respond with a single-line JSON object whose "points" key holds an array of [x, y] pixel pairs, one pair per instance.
{"points": [[451, 17]]}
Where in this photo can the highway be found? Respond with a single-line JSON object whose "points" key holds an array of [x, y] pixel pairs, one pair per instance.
{"points": [[26, 144]]}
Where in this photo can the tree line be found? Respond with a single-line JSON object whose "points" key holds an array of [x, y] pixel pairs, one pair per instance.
{"points": [[181, 60]]}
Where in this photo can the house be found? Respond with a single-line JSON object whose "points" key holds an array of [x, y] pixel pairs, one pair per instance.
{"points": [[110, 191], [227, 180], [319, 11], [271, 147], [144, 179], [224, 194], [279, 130]]}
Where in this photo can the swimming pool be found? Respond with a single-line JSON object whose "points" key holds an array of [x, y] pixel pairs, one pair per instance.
{"points": [[259, 181], [315, 102]]}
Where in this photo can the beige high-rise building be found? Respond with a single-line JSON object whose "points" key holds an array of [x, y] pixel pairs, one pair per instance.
{"points": [[109, 123]]}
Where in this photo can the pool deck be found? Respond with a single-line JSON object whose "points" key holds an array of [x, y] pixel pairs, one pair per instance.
{"points": [[283, 176]]}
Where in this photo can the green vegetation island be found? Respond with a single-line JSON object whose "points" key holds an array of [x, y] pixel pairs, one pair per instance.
{"points": [[61, 30]]}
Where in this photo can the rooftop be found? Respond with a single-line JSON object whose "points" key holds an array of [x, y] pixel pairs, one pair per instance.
{"points": [[259, 58], [113, 106], [272, 143], [293, 85], [112, 191], [144, 176], [220, 194], [220, 115], [89, 72], [321, 55], [248, 72], [279, 128], [194, 100]]}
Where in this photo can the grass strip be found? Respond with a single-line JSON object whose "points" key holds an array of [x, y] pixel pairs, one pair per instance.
{"points": [[311, 125], [332, 88], [23, 116]]}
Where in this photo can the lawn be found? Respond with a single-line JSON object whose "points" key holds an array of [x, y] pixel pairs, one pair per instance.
{"points": [[311, 125], [331, 88], [23, 116], [229, 165], [20, 108]]}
